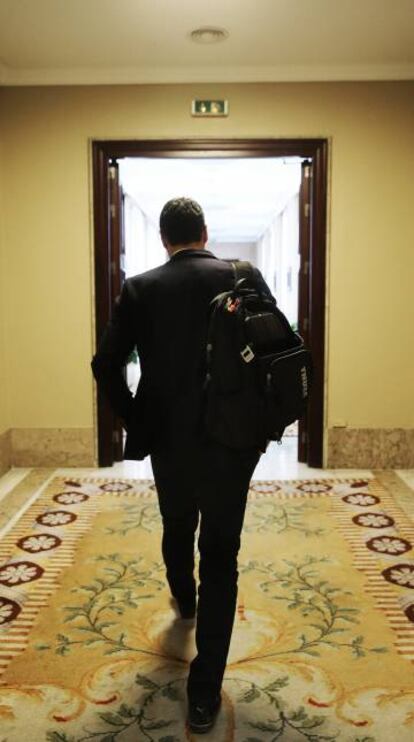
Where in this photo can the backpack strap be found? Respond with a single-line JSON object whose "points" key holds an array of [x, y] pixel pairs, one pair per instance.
{"points": [[243, 270]]}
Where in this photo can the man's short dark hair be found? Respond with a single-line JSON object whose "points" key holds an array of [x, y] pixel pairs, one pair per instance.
{"points": [[182, 221]]}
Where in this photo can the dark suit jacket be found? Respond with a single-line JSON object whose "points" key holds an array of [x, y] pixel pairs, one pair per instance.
{"points": [[164, 313]]}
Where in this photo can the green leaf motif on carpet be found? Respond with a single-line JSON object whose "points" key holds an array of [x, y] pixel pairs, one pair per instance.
{"points": [[137, 516], [117, 589], [126, 717], [270, 515], [314, 597], [285, 722]]}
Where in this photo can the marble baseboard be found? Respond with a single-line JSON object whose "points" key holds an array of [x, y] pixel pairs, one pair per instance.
{"points": [[357, 448], [52, 447], [371, 448], [5, 452]]}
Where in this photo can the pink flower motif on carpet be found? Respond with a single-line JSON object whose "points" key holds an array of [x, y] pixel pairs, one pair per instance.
{"points": [[373, 520], [115, 486], [8, 610], [389, 545], [56, 518], [264, 487], [70, 498], [20, 572], [41, 542], [314, 487], [360, 498], [400, 574]]}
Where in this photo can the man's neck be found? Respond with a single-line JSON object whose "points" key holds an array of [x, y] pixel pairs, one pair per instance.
{"points": [[180, 248]]}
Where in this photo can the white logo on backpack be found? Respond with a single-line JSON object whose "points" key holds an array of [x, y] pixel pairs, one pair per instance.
{"points": [[304, 378]]}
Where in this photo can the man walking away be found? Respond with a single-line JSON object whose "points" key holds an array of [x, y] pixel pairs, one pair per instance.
{"points": [[164, 313]]}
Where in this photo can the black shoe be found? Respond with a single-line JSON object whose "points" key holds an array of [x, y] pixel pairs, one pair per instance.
{"points": [[187, 610], [202, 714]]}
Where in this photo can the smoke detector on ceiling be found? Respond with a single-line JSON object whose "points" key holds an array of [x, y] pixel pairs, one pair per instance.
{"points": [[209, 35]]}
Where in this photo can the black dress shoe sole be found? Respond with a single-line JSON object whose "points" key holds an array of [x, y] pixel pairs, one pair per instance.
{"points": [[200, 728]]}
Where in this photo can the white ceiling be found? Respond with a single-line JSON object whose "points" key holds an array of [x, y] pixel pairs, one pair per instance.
{"points": [[144, 41], [239, 197]]}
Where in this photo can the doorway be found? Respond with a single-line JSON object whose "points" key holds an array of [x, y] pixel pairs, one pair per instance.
{"points": [[264, 201]]}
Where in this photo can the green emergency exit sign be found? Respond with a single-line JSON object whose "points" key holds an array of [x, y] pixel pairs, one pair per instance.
{"points": [[210, 107]]}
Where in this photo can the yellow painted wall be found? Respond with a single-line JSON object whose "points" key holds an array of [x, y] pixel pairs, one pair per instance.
{"points": [[48, 231], [4, 422]]}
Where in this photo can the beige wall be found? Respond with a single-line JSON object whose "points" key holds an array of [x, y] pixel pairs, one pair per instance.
{"points": [[4, 422], [49, 240]]}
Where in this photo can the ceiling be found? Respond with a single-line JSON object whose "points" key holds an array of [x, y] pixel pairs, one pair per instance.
{"points": [[146, 41], [240, 197]]}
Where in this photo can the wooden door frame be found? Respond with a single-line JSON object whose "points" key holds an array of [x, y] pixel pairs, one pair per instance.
{"points": [[314, 149]]}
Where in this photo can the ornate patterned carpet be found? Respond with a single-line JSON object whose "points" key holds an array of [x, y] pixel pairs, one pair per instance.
{"points": [[323, 643]]}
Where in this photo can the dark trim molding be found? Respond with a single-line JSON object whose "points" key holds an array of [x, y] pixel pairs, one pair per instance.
{"points": [[210, 147], [315, 149], [317, 291]]}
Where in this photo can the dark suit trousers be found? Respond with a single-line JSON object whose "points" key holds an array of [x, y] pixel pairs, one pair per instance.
{"points": [[203, 479]]}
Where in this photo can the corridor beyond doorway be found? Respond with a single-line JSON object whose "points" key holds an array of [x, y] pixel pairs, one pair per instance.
{"points": [[252, 213], [251, 208]]}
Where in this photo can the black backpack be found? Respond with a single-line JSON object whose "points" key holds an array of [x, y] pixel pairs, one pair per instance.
{"points": [[258, 371]]}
